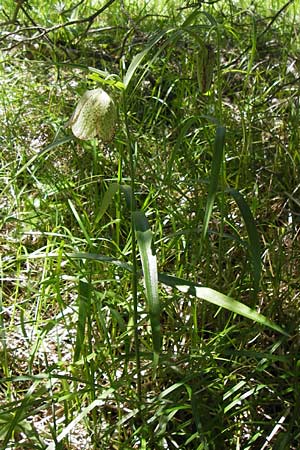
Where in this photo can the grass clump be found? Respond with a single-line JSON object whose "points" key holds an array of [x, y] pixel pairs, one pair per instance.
{"points": [[150, 285]]}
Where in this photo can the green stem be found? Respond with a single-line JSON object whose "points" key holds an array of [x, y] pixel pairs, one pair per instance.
{"points": [[133, 254], [118, 199]]}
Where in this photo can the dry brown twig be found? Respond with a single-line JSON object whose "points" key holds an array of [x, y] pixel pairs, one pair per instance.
{"points": [[44, 32]]}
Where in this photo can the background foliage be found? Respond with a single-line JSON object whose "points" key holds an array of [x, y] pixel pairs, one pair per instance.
{"points": [[222, 218]]}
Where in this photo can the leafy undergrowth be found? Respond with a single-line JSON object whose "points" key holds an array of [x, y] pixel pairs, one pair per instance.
{"points": [[70, 377]]}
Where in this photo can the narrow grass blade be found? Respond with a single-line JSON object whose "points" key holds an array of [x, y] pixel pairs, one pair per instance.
{"points": [[56, 143], [17, 418], [3, 338], [12, 423], [80, 222], [149, 264], [185, 126], [98, 403], [107, 199], [254, 241], [138, 59], [94, 257], [109, 195], [243, 395], [215, 171], [84, 298]]}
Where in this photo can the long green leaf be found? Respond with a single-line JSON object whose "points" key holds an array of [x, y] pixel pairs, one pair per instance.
{"points": [[144, 238], [219, 299], [254, 241], [94, 257], [185, 286]]}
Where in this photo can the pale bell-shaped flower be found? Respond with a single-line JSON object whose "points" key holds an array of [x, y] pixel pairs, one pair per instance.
{"points": [[95, 115]]}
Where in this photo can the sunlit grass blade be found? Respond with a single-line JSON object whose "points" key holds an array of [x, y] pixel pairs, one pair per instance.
{"points": [[144, 238], [171, 33], [254, 241], [241, 395], [214, 178], [80, 222]]}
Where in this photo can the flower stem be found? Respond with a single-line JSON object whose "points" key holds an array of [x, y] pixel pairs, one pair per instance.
{"points": [[131, 149]]}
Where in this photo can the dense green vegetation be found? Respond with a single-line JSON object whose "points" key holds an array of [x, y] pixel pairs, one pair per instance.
{"points": [[149, 293]]}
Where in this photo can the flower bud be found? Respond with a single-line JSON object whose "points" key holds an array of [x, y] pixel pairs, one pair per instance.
{"points": [[205, 63], [95, 115]]}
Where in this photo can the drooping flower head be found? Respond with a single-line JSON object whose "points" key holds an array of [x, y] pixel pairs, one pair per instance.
{"points": [[95, 115]]}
